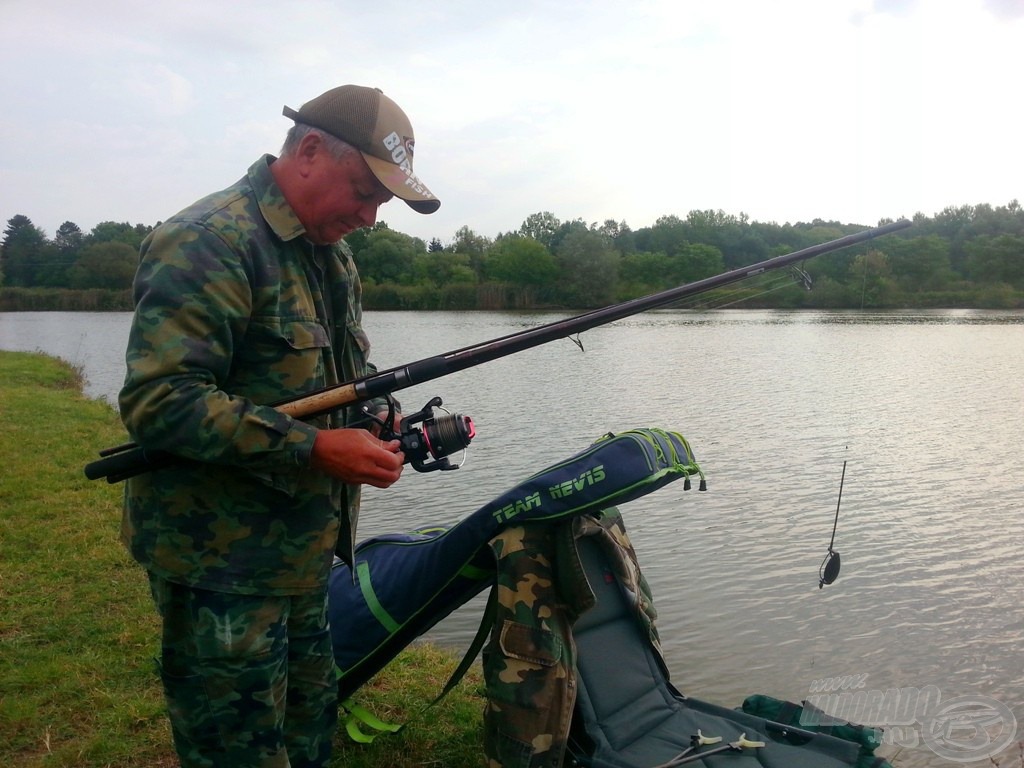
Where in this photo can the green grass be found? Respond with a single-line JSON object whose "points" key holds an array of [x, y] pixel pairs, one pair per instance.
{"points": [[78, 633]]}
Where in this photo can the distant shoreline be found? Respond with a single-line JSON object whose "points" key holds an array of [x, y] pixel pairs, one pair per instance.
{"points": [[384, 298]]}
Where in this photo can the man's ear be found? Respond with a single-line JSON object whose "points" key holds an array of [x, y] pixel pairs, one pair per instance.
{"points": [[311, 149]]}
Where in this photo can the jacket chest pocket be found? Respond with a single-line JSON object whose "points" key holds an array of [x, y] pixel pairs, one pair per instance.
{"points": [[358, 347], [282, 357]]}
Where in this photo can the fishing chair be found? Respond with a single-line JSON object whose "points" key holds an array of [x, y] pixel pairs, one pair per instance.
{"points": [[629, 715]]}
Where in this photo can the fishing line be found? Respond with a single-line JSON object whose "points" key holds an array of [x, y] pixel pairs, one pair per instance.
{"points": [[781, 285], [770, 283], [721, 298], [829, 570]]}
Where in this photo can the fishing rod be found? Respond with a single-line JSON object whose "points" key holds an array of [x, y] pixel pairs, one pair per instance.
{"points": [[130, 459]]}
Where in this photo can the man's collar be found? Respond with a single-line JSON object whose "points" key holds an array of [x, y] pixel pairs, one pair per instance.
{"points": [[275, 209]]}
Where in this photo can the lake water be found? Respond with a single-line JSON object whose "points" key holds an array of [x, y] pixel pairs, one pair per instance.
{"points": [[926, 408]]}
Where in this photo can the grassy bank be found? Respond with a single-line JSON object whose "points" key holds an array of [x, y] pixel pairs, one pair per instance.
{"points": [[77, 628]]}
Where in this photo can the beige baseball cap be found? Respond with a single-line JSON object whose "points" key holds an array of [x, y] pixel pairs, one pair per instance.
{"points": [[378, 128]]}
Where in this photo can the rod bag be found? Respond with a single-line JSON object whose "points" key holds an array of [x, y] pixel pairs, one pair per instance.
{"points": [[403, 584]]}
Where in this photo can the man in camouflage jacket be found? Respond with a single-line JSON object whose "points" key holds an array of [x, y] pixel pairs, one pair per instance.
{"points": [[245, 298]]}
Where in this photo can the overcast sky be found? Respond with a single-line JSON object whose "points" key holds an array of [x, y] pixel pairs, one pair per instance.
{"points": [[786, 110]]}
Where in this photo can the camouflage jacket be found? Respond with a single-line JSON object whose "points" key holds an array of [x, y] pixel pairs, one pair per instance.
{"points": [[235, 309], [530, 660]]}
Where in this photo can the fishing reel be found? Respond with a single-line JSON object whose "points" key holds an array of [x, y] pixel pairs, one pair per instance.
{"points": [[437, 438]]}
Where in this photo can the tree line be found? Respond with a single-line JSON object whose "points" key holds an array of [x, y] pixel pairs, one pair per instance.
{"points": [[967, 256]]}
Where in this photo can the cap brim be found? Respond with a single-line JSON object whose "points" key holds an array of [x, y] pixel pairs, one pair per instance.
{"points": [[403, 185]]}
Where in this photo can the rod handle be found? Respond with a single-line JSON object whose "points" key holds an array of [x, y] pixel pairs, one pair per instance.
{"points": [[127, 463]]}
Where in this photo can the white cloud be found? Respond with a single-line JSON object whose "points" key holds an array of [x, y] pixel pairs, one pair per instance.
{"points": [[851, 110], [153, 89]]}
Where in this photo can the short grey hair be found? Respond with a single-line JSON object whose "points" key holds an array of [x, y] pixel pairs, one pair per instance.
{"points": [[338, 149]]}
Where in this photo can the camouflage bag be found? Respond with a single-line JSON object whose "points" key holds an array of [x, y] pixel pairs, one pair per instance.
{"points": [[575, 674], [531, 661]]}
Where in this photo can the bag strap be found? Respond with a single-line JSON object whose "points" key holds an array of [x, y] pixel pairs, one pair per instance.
{"points": [[356, 716], [486, 623]]}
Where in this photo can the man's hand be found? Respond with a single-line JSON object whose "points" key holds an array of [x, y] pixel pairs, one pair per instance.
{"points": [[356, 456]]}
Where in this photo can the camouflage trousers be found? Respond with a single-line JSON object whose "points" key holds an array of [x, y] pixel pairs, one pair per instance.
{"points": [[249, 679]]}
